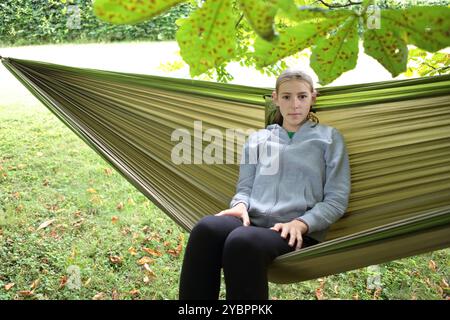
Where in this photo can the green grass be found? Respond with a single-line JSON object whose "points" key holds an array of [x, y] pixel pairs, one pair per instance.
{"points": [[47, 172]]}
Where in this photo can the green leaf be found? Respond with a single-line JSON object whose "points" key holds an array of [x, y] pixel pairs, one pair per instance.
{"points": [[425, 27], [260, 15], [388, 47], [338, 53], [294, 39], [131, 11], [208, 38]]}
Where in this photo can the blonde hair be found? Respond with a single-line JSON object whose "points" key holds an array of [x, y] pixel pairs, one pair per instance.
{"points": [[294, 74]]}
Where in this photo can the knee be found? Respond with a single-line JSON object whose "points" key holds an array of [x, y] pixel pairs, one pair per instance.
{"points": [[242, 239], [208, 225]]}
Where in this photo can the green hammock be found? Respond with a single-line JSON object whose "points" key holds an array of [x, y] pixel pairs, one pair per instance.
{"points": [[397, 135]]}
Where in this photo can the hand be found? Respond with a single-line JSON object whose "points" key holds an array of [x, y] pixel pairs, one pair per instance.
{"points": [[239, 210], [295, 229]]}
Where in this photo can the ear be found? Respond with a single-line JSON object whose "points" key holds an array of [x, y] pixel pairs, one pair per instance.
{"points": [[274, 97], [314, 96]]}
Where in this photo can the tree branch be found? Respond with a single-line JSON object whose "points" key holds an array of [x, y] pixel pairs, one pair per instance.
{"points": [[239, 21], [429, 66], [349, 3]]}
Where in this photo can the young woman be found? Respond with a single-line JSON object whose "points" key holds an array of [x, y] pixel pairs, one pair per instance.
{"points": [[279, 208]]}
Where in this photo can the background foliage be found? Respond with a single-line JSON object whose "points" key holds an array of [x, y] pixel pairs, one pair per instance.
{"points": [[29, 22]]}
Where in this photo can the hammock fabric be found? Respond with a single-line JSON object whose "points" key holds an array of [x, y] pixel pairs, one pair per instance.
{"points": [[397, 135]]}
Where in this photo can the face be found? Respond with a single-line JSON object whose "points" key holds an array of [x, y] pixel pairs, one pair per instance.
{"points": [[294, 99]]}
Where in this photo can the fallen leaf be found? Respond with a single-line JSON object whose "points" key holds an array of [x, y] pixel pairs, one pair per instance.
{"points": [[322, 282], [96, 199], [319, 294], [125, 231], [91, 190], [145, 260], [74, 253], [114, 219], [108, 171], [377, 293], [21, 166], [355, 296], [35, 284], [336, 289], [149, 270], [115, 259], [130, 201], [432, 265], [62, 282], [115, 295], [444, 283], [175, 252], [119, 206], [45, 182], [155, 236], [134, 292], [16, 195], [39, 154], [19, 208], [86, 283], [25, 293], [78, 223], [54, 235], [152, 252], [45, 224], [415, 273], [9, 286], [132, 251], [99, 296], [146, 279]]}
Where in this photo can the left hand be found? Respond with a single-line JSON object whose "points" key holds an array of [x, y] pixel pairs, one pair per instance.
{"points": [[295, 229]]}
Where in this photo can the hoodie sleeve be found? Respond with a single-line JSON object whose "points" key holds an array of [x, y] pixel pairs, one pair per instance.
{"points": [[336, 190], [247, 169]]}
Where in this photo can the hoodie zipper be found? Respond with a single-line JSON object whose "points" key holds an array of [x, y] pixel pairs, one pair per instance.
{"points": [[279, 178]]}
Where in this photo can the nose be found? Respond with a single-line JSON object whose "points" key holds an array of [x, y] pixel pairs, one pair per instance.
{"points": [[296, 103]]}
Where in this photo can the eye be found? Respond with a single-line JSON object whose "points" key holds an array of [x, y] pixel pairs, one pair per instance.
{"points": [[303, 96], [285, 97]]}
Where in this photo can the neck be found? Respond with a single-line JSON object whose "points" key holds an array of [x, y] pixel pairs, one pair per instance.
{"points": [[290, 128]]}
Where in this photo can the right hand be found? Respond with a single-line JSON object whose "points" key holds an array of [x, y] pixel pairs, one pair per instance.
{"points": [[239, 210]]}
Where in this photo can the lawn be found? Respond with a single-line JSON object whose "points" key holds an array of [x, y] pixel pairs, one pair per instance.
{"points": [[71, 227]]}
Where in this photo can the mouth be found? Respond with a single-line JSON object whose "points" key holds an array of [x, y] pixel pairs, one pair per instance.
{"points": [[294, 114]]}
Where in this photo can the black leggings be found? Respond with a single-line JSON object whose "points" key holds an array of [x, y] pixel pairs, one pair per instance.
{"points": [[244, 253]]}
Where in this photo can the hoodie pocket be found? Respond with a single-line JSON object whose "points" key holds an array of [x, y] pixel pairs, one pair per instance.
{"points": [[300, 193], [262, 195], [291, 196]]}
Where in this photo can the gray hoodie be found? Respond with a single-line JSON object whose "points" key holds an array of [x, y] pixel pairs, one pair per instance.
{"points": [[306, 177]]}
